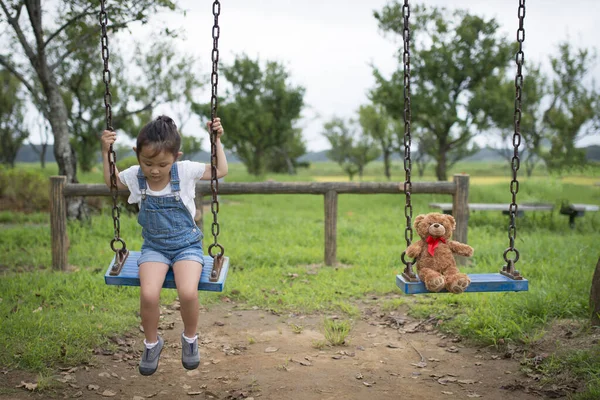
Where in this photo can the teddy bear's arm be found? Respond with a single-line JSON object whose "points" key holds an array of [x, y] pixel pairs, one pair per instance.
{"points": [[460, 248], [415, 249]]}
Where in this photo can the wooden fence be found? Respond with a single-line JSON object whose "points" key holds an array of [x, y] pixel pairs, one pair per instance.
{"points": [[459, 189]]}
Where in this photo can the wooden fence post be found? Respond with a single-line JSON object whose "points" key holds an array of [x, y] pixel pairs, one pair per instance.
{"points": [[460, 207], [331, 201], [58, 223], [460, 211]]}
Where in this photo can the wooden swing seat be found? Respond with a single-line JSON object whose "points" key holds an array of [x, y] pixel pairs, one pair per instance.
{"points": [[129, 275], [479, 283]]}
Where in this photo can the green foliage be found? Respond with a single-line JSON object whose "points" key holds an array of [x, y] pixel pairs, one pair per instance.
{"points": [[24, 190], [53, 52], [337, 331], [190, 145], [13, 131], [351, 150], [497, 101], [375, 123], [260, 112], [127, 162], [166, 77], [575, 108], [453, 55]]}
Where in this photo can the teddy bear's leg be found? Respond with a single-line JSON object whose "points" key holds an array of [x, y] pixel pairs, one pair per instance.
{"points": [[456, 282], [433, 280]]}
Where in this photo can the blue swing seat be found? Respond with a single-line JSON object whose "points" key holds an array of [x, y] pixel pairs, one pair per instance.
{"points": [[129, 275], [479, 283]]}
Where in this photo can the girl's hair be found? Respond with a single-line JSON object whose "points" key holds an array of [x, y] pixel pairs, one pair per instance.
{"points": [[161, 134]]}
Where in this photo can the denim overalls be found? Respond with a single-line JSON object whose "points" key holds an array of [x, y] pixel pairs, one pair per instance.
{"points": [[167, 225]]}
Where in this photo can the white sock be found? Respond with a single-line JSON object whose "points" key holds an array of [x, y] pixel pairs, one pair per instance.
{"points": [[190, 340], [150, 346]]}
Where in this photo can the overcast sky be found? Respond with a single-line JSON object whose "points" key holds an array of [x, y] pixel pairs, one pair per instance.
{"points": [[327, 45]]}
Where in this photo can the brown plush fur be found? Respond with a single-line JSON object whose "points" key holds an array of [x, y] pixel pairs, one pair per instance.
{"points": [[439, 271]]}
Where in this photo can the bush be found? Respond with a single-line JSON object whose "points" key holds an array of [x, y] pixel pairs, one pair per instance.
{"points": [[24, 190], [127, 162]]}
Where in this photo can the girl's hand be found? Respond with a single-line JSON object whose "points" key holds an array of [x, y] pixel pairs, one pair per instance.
{"points": [[107, 139], [217, 128]]}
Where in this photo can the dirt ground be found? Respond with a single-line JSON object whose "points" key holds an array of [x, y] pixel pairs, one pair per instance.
{"points": [[255, 354]]}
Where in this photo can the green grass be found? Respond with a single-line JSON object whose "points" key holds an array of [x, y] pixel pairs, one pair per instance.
{"points": [[336, 331], [275, 244]]}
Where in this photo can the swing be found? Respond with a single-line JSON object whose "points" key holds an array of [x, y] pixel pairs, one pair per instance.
{"points": [[508, 279], [123, 269]]}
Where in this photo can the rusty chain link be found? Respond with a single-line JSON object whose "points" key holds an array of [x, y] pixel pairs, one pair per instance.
{"points": [[408, 210], [509, 268], [214, 182], [120, 253]]}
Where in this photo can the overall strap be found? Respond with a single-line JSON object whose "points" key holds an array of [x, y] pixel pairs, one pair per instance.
{"points": [[142, 182], [175, 188]]}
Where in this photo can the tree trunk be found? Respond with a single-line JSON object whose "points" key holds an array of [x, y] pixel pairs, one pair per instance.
{"points": [[56, 110], [63, 152], [256, 163], [421, 168], [43, 154], [386, 164], [595, 296], [440, 169]]}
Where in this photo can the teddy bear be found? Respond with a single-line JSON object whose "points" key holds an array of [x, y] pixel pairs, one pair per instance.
{"points": [[436, 266]]}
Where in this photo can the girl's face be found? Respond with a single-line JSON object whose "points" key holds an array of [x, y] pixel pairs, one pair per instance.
{"points": [[156, 167]]}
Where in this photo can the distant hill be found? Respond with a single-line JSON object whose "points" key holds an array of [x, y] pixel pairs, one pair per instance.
{"points": [[592, 153], [28, 155]]}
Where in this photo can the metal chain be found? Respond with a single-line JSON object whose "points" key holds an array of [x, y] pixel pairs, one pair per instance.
{"points": [[214, 182], [408, 210], [116, 211], [509, 268]]}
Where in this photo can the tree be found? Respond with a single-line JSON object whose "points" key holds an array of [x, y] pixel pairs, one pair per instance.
{"points": [[44, 130], [421, 157], [452, 55], [284, 158], [164, 77], [497, 99], [40, 46], [190, 145], [376, 124], [352, 151], [260, 108], [574, 111], [12, 127]]}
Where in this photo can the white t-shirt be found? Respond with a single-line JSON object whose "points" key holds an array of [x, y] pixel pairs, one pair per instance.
{"points": [[189, 173]]}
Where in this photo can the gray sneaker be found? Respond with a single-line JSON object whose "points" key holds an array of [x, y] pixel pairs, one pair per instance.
{"points": [[190, 357], [149, 362]]}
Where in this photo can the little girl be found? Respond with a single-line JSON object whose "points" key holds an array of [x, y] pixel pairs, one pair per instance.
{"points": [[164, 188]]}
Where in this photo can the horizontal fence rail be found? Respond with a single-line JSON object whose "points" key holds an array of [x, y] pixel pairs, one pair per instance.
{"points": [[76, 189], [459, 189]]}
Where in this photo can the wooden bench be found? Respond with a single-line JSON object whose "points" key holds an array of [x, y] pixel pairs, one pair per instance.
{"points": [[572, 210], [447, 207], [577, 210]]}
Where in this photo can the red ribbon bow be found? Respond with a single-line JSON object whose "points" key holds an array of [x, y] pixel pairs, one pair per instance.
{"points": [[432, 243]]}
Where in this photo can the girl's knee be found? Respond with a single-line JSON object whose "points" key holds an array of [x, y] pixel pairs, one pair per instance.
{"points": [[188, 296], [149, 298]]}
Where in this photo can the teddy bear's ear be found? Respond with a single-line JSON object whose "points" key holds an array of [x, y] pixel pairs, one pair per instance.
{"points": [[451, 221], [418, 219]]}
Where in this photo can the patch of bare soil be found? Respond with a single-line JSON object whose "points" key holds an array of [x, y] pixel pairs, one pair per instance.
{"points": [[255, 354]]}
